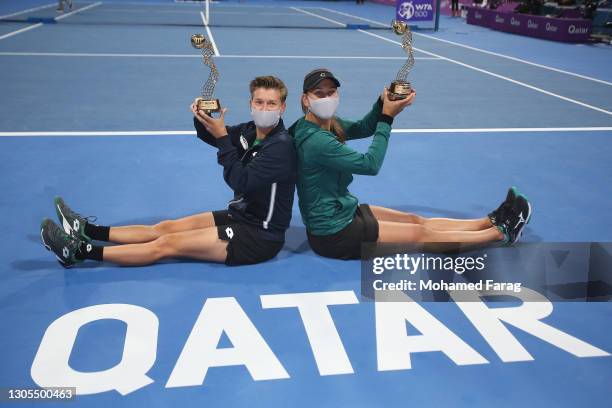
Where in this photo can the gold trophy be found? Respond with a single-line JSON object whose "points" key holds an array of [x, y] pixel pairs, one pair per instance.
{"points": [[401, 87], [207, 103]]}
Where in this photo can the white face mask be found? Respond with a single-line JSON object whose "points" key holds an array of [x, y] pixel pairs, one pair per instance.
{"points": [[324, 108], [265, 119]]}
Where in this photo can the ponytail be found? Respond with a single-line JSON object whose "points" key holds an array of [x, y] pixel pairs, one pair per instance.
{"points": [[337, 130]]}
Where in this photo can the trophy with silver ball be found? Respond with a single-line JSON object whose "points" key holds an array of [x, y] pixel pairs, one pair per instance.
{"points": [[207, 103], [401, 87]]}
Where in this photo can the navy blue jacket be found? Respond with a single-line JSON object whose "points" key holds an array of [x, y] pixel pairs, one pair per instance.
{"points": [[263, 177]]}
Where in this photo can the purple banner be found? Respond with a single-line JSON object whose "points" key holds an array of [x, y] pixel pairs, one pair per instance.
{"points": [[414, 10], [556, 29], [446, 6], [475, 16]]}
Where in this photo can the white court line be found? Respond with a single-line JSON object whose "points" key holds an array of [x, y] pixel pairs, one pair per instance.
{"points": [[109, 10], [318, 16], [357, 17], [323, 57], [28, 28], [63, 16], [251, 13], [192, 133], [186, 1], [505, 130], [158, 4], [78, 54], [601, 81], [505, 78], [119, 55], [109, 133], [21, 30], [28, 10], [210, 36]]}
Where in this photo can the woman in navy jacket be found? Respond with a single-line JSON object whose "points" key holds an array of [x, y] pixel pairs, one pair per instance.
{"points": [[259, 164]]}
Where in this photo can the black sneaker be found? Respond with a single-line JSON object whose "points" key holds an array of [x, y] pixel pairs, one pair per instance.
{"points": [[73, 223], [516, 218], [64, 246], [497, 216]]}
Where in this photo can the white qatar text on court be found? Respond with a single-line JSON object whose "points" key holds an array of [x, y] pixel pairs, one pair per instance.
{"points": [[394, 346]]}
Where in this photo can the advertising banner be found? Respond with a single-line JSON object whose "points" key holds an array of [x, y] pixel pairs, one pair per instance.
{"points": [[556, 29]]}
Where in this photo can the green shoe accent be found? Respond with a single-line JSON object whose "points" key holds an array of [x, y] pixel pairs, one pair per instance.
{"points": [[502, 229], [72, 223], [517, 193]]}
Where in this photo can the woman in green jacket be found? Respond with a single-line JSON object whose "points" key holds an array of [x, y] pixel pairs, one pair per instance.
{"points": [[336, 224]]}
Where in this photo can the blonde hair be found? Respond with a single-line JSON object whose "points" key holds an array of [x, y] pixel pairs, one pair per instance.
{"points": [[269, 82]]}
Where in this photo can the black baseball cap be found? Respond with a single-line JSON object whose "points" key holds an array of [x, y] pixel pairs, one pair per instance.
{"points": [[313, 78]]}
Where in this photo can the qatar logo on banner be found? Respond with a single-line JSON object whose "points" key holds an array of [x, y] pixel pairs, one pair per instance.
{"points": [[415, 10], [577, 30]]}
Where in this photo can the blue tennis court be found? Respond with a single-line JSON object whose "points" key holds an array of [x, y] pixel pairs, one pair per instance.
{"points": [[95, 108]]}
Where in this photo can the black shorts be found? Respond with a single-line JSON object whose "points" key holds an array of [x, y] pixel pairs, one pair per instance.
{"points": [[346, 243], [245, 246]]}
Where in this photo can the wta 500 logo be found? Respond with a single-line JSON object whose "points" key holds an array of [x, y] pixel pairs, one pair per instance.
{"points": [[415, 10]]}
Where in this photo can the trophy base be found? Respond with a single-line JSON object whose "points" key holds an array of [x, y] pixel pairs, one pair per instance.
{"points": [[399, 90], [209, 106]]}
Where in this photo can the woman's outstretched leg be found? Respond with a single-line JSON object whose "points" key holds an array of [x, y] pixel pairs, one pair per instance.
{"points": [[133, 234], [440, 224], [511, 224], [404, 233], [203, 244], [450, 224]]}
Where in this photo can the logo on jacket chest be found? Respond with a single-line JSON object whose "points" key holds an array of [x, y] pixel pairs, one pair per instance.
{"points": [[244, 143]]}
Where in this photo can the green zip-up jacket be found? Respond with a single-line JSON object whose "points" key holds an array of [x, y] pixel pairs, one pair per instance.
{"points": [[326, 168]]}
